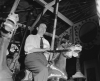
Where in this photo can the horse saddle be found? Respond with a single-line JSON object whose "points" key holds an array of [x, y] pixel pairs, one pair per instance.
{"points": [[55, 72]]}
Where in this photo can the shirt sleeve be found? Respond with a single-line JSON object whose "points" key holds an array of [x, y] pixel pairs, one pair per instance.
{"points": [[29, 43]]}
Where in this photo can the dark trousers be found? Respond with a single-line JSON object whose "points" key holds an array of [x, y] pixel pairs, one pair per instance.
{"points": [[36, 63]]}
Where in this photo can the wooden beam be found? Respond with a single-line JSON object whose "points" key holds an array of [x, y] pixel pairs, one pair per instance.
{"points": [[50, 8]]}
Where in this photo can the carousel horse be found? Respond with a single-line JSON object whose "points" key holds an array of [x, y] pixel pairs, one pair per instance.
{"points": [[59, 62], [5, 73], [6, 31], [57, 70]]}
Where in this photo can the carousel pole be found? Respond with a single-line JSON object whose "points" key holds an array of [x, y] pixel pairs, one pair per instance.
{"points": [[98, 14], [98, 9], [14, 7], [54, 28], [78, 74]]}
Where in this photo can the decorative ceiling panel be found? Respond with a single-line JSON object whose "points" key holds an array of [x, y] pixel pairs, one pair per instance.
{"points": [[71, 11], [74, 10]]}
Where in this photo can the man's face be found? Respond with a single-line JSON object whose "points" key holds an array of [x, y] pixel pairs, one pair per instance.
{"points": [[42, 28]]}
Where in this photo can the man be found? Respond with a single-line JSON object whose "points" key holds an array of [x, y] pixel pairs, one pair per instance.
{"points": [[35, 60]]}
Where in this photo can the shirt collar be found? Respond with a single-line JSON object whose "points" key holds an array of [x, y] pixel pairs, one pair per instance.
{"points": [[39, 35]]}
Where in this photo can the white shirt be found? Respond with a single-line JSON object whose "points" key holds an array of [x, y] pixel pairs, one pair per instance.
{"points": [[33, 41]]}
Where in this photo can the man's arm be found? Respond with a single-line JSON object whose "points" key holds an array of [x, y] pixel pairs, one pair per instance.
{"points": [[38, 50]]}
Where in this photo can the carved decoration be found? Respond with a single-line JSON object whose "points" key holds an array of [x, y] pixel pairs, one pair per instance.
{"points": [[66, 35], [76, 32]]}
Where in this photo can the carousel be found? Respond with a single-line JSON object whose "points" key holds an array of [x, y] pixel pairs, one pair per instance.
{"points": [[10, 66]]}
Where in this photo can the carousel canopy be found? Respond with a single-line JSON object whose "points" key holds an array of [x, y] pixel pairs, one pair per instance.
{"points": [[70, 12]]}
